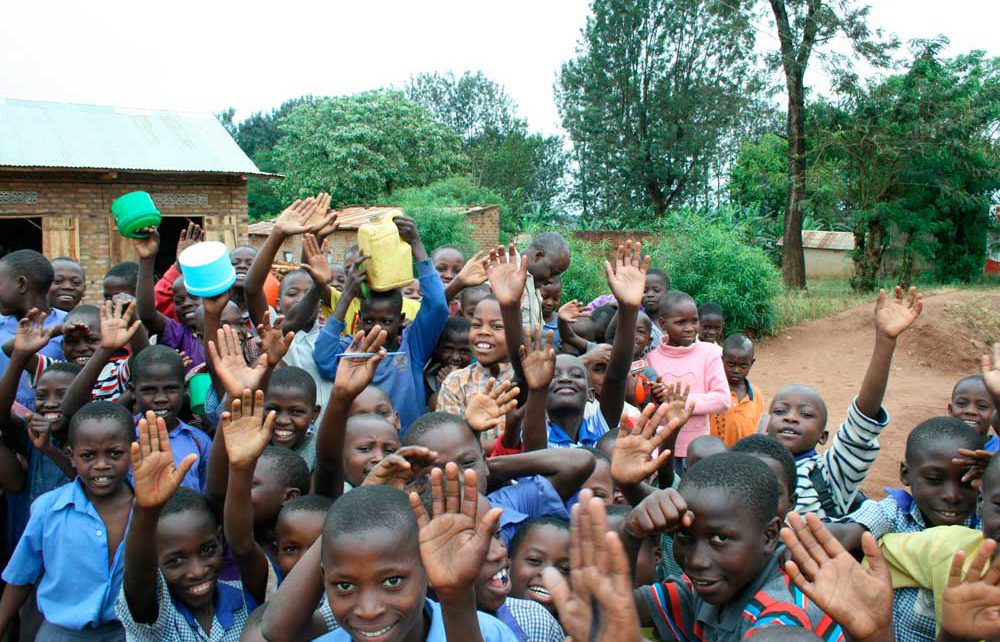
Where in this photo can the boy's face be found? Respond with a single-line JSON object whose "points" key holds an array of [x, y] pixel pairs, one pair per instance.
{"points": [[737, 363], [381, 312], [600, 482], [545, 267], [680, 323], [232, 317], [185, 305], [493, 583], [293, 288], [972, 403], [189, 554], [551, 293], [12, 291], [296, 531], [50, 389], [68, 286], [570, 385], [242, 258], [268, 491], [81, 339], [470, 301], [455, 442], [339, 276], [448, 263], [797, 419], [373, 401], [114, 285], [412, 290], [294, 412], [655, 288], [487, 338], [712, 328], [643, 335], [159, 388], [596, 362], [375, 584], [369, 440], [454, 350], [100, 454], [991, 506], [936, 483], [725, 547], [545, 545]]}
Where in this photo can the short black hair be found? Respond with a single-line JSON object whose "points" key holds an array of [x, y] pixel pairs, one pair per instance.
{"points": [[127, 271], [62, 366], [306, 504], [660, 273], [970, 379], [611, 435], [742, 477], [442, 248], [769, 447], [525, 529], [99, 410], [157, 355], [482, 288], [601, 318], [598, 454], [295, 378], [68, 259], [369, 508], [33, 266], [670, 299], [289, 466], [392, 298], [428, 423], [711, 308], [612, 329], [938, 429], [737, 341], [281, 286], [86, 311], [550, 243], [186, 499], [456, 326]]}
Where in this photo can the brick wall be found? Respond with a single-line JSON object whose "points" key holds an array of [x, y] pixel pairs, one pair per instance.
{"points": [[485, 224], [76, 220]]}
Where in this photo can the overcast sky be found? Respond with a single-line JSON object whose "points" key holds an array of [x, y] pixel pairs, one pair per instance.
{"points": [[212, 54]]}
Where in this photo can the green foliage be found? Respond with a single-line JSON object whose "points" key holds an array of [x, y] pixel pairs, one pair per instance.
{"points": [[473, 105], [586, 278], [363, 147]]}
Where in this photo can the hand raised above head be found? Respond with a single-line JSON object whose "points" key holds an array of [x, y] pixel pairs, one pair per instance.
{"points": [[155, 476], [245, 429]]}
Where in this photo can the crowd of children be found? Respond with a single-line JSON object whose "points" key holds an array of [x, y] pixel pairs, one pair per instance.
{"points": [[467, 458]]}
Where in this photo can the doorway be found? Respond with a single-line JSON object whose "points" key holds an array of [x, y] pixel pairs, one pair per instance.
{"points": [[20, 233], [170, 233]]}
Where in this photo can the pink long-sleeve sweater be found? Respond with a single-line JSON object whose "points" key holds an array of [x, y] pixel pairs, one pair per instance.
{"points": [[700, 366]]}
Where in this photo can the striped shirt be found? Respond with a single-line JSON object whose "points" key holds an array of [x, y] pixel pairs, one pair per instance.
{"points": [[111, 382], [844, 465]]}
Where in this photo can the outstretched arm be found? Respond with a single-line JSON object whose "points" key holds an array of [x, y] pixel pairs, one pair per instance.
{"points": [[538, 362], [508, 274], [567, 315], [145, 297], [565, 468], [627, 278], [892, 318]]}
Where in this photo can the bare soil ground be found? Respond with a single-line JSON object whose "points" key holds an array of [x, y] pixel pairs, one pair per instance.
{"points": [[831, 355]]}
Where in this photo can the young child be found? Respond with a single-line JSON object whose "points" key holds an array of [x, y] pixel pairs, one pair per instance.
{"points": [[470, 298], [538, 544], [779, 459], [72, 546], [743, 417], [412, 292], [121, 278], [369, 439], [291, 396], [453, 352], [69, 284], [158, 375], [972, 402], [551, 294], [600, 483], [173, 553], [725, 542], [300, 524], [401, 376], [682, 358], [457, 274], [657, 284], [376, 575], [546, 257], [828, 482], [711, 323]]}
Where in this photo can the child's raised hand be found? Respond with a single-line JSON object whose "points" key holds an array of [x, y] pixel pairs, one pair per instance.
{"points": [[402, 469], [246, 430], [675, 396], [632, 460], [454, 540], [116, 331], [230, 365], [893, 317], [273, 342], [295, 218], [538, 359], [571, 311], [970, 606], [355, 373], [408, 231], [474, 271], [356, 275], [189, 237], [662, 511], [488, 410], [316, 263], [147, 247], [214, 305], [155, 477], [858, 598], [627, 274], [508, 272], [31, 336], [990, 370]]}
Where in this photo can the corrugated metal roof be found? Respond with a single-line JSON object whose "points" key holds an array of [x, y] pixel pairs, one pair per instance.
{"points": [[826, 240], [64, 135]]}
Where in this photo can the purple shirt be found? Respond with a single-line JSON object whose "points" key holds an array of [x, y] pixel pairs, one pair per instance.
{"points": [[178, 336]]}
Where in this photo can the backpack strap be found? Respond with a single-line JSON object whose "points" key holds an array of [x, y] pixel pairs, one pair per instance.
{"points": [[822, 488]]}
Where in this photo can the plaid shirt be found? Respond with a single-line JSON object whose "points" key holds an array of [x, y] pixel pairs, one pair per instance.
{"points": [[912, 608], [535, 620], [462, 385]]}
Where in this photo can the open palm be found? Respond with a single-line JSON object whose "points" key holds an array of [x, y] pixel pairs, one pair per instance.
{"points": [[627, 273], [245, 429], [231, 367], [155, 477], [488, 410], [990, 370], [507, 277], [355, 373], [316, 263], [893, 317], [538, 359], [116, 331], [30, 336], [633, 460], [970, 606]]}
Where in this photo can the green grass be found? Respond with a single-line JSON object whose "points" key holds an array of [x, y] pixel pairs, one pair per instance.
{"points": [[823, 298]]}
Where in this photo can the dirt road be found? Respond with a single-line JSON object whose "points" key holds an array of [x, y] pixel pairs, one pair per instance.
{"points": [[831, 355]]}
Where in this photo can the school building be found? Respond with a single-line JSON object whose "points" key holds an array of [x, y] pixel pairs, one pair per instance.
{"points": [[61, 166]]}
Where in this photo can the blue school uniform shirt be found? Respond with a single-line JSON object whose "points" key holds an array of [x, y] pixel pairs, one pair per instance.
{"points": [[184, 440], [528, 498], [44, 475], [176, 623], [53, 349], [400, 374], [992, 444], [66, 545], [593, 428], [492, 629]]}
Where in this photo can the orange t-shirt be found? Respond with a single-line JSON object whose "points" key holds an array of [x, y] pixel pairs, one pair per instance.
{"points": [[740, 420]]}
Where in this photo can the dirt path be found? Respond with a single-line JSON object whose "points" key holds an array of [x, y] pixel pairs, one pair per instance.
{"points": [[831, 355]]}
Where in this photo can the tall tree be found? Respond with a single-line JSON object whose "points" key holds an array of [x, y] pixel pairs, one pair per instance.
{"points": [[472, 104], [802, 26], [655, 87]]}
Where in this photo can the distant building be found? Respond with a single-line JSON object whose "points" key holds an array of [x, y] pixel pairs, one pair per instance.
{"points": [[61, 166], [827, 254]]}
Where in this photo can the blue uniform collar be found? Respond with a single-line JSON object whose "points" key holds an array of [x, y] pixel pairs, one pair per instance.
{"points": [[228, 600], [586, 436]]}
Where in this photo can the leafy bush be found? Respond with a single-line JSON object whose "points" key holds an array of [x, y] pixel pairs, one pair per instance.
{"points": [[585, 279]]}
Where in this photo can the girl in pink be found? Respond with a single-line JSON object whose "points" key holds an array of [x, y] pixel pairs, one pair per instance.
{"points": [[681, 357]]}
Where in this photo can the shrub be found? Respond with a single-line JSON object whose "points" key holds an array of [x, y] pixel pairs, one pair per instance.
{"points": [[585, 278]]}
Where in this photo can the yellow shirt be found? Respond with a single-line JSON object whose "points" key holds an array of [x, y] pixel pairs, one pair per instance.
{"points": [[352, 318], [923, 560]]}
